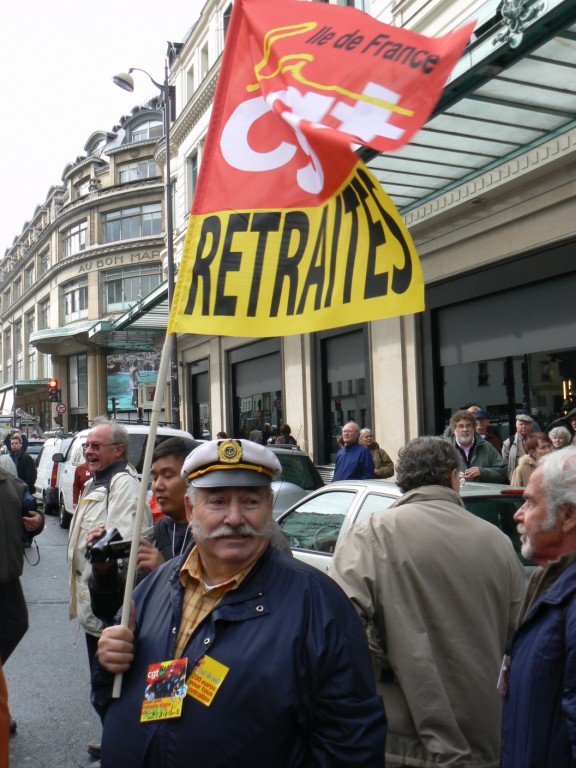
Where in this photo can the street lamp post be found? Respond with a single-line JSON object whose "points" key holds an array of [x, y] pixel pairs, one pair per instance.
{"points": [[126, 81]]}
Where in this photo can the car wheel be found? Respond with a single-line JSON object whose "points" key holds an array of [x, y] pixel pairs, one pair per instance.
{"points": [[49, 509], [63, 516]]}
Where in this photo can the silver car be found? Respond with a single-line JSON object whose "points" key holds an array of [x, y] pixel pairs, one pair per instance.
{"points": [[315, 525]]}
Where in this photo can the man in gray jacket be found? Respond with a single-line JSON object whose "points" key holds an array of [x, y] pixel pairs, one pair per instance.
{"points": [[479, 461], [438, 591]]}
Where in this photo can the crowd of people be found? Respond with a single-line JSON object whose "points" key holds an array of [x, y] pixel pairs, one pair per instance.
{"points": [[422, 647]]}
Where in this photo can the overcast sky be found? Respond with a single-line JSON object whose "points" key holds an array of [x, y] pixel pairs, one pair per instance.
{"points": [[57, 61]]}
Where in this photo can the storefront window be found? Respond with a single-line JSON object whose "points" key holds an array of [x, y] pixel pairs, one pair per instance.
{"points": [[199, 379], [256, 382], [509, 350], [344, 387], [542, 384]]}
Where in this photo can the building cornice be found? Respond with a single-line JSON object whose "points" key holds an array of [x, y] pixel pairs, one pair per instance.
{"points": [[558, 149], [198, 105]]}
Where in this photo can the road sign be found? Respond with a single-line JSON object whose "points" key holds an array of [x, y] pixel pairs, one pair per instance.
{"points": [[61, 408]]}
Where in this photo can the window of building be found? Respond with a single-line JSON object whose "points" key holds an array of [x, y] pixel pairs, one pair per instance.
{"points": [[82, 187], [343, 381], [29, 277], [18, 336], [45, 371], [204, 62], [141, 169], [226, 19], [174, 202], [74, 239], [32, 372], [256, 374], [17, 284], [193, 169], [190, 83], [199, 387], [29, 324], [124, 287], [45, 262], [6, 299], [139, 221], [151, 129], [78, 383], [44, 314], [75, 300]]}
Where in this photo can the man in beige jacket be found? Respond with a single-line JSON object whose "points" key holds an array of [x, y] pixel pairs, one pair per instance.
{"points": [[438, 591], [109, 498]]}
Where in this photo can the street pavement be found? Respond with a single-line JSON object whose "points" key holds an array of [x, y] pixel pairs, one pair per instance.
{"points": [[47, 675]]}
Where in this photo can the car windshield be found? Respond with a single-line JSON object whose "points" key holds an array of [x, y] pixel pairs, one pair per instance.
{"points": [[317, 521]]}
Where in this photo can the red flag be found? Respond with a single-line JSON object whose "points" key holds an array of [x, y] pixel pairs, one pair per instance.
{"points": [[300, 86]]}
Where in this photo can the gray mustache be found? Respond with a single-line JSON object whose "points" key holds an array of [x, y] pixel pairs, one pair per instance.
{"points": [[224, 531]]}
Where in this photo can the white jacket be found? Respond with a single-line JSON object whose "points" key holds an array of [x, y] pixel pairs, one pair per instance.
{"points": [[115, 507]]}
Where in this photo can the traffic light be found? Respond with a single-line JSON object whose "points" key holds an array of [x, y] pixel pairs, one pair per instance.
{"points": [[53, 391]]}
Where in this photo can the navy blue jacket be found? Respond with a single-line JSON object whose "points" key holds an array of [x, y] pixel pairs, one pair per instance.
{"points": [[353, 462], [300, 690], [539, 725]]}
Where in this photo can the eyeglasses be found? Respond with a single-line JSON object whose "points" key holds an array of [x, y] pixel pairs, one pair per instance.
{"points": [[96, 446]]}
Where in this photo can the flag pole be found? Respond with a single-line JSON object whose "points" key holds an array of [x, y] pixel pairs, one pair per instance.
{"points": [[132, 562]]}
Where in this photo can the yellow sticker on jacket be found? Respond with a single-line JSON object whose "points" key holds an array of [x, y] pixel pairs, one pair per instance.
{"points": [[205, 679]]}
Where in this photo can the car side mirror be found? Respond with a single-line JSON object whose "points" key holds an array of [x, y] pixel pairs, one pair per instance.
{"points": [[58, 457]]}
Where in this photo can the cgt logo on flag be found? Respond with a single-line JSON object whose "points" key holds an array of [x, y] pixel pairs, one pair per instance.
{"points": [[289, 233]]}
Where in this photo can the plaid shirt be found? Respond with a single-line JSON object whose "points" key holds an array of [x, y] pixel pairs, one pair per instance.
{"points": [[200, 600]]}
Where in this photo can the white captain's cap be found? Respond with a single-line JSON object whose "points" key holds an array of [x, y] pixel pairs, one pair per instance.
{"points": [[220, 463]]}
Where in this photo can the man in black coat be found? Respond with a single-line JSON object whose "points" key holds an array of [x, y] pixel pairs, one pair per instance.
{"points": [[25, 464]]}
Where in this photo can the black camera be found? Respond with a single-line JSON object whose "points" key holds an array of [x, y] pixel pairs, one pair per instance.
{"points": [[113, 547], [106, 548]]}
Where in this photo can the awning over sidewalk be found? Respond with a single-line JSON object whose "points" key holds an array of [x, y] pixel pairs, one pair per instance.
{"points": [[513, 90]]}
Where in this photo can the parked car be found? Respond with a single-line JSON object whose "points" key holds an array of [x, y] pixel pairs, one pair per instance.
{"points": [[48, 472], [315, 525], [299, 476], [74, 456]]}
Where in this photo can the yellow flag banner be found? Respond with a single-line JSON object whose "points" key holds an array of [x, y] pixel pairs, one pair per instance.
{"points": [[280, 272], [289, 233]]}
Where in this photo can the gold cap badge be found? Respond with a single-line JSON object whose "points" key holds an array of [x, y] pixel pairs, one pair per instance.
{"points": [[229, 452]]}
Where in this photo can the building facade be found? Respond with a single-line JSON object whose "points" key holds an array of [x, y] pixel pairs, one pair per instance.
{"points": [[487, 192], [91, 251], [486, 189]]}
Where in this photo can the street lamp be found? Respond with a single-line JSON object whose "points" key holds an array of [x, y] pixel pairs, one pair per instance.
{"points": [[125, 81]]}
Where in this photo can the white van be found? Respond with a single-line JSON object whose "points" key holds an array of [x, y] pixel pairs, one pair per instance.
{"points": [[48, 473], [74, 456]]}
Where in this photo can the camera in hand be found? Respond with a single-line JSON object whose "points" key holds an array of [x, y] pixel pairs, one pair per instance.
{"points": [[110, 547]]}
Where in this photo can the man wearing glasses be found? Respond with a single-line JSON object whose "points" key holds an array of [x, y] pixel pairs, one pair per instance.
{"points": [[109, 498]]}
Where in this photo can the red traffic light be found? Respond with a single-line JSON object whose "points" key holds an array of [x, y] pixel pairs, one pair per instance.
{"points": [[53, 391]]}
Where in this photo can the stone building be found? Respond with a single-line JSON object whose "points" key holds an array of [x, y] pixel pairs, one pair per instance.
{"points": [[91, 252], [486, 189]]}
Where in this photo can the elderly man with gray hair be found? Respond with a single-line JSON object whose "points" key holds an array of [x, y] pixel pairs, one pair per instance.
{"points": [[539, 679], [438, 591], [109, 498], [277, 666]]}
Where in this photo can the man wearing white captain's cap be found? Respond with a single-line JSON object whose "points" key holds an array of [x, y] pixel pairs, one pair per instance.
{"points": [[278, 670]]}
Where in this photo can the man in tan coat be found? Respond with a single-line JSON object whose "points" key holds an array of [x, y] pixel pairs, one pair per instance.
{"points": [[438, 591]]}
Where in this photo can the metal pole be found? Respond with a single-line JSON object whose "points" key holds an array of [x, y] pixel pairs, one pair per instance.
{"points": [[13, 373], [174, 389]]}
